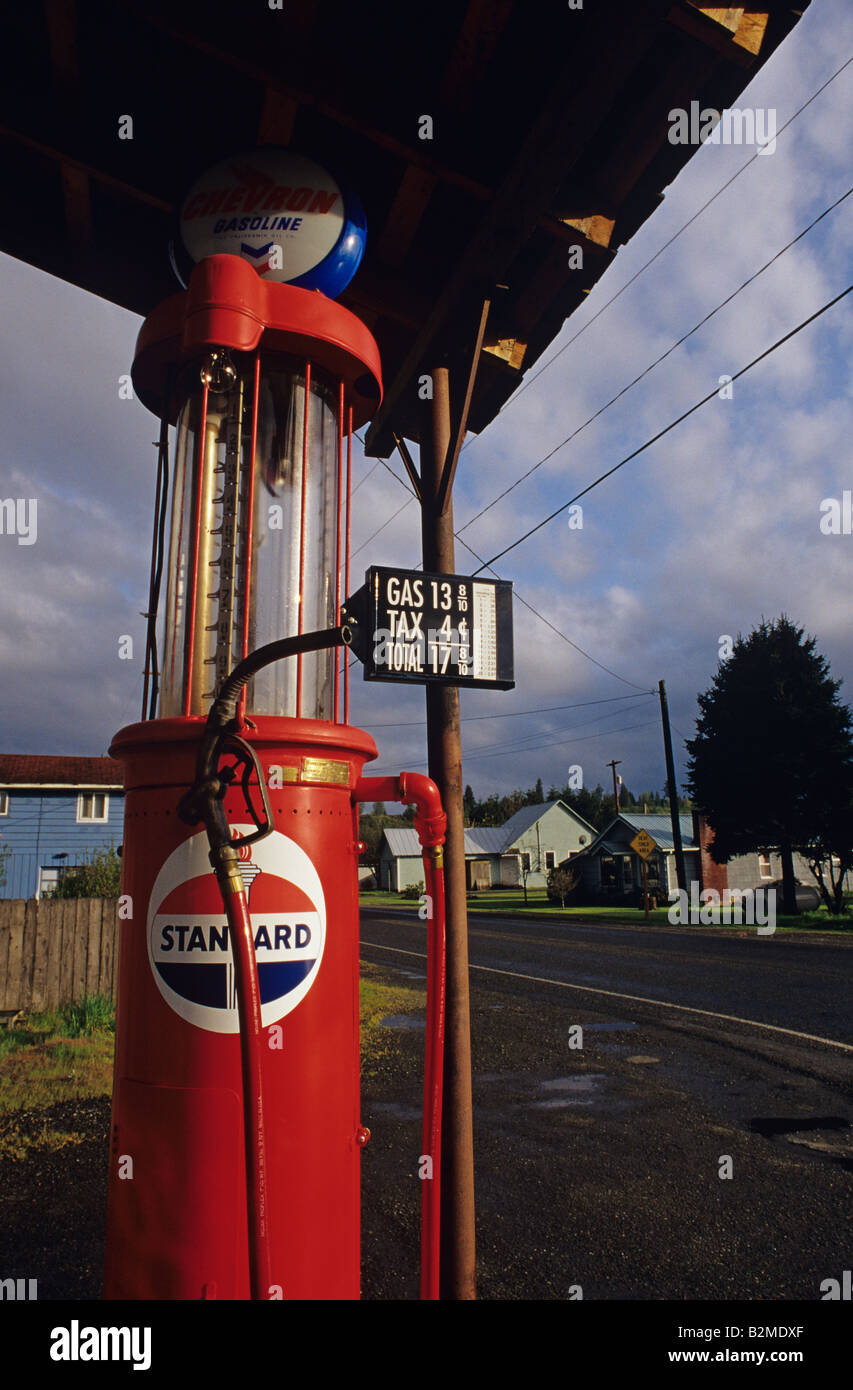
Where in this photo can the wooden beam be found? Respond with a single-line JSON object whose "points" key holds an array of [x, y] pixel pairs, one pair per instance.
{"points": [[407, 210], [275, 126], [409, 462], [268, 77], [78, 204], [715, 36], [99, 175], [567, 121], [460, 420], [60, 17], [484, 22]]}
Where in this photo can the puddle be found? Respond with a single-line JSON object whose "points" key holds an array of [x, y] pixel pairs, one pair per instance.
{"points": [[401, 1021], [573, 1090], [394, 1110], [586, 1081], [608, 1027]]}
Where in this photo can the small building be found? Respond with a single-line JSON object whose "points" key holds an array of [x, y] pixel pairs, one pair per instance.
{"points": [[611, 871], [54, 811], [527, 846]]}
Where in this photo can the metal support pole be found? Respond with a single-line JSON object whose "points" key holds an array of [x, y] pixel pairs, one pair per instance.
{"points": [[613, 764], [673, 790], [458, 1273]]}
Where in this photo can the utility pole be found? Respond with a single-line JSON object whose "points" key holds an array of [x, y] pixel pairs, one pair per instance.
{"points": [[671, 787], [613, 764], [458, 1251]]}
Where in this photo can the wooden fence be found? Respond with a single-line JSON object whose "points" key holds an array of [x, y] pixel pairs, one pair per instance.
{"points": [[56, 950]]}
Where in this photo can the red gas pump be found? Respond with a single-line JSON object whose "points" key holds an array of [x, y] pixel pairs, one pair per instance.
{"points": [[236, 1132]]}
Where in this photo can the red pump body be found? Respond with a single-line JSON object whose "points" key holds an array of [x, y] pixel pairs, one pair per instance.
{"points": [[266, 383], [177, 1211]]}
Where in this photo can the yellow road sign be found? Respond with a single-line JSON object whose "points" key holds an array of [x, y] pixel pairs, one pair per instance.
{"points": [[643, 844]]}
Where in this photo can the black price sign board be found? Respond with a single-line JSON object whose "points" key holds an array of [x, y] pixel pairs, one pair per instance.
{"points": [[413, 627]]}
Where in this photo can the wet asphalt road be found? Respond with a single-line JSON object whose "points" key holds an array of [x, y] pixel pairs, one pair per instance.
{"points": [[600, 1166]]}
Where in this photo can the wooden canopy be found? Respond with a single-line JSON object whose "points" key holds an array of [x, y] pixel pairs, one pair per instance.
{"points": [[548, 131]]}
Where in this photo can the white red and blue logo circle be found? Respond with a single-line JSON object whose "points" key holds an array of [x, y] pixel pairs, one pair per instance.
{"points": [[189, 947], [283, 213]]}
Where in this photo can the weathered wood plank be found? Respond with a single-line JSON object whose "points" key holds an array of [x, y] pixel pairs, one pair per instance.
{"points": [[53, 920], [46, 916], [5, 932], [66, 964], [97, 908], [28, 952], [109, 948], [81, 947], [16, 947]]}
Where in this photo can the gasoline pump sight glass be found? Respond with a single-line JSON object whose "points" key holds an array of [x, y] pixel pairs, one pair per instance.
{"points": [[253, 537]]}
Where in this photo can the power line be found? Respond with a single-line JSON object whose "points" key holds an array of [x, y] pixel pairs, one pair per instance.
{"points": [[484, 564], [502, 753], [513, 714], [516, 594], [544, 737], [660, 434], [530, 379], [656, 363]]}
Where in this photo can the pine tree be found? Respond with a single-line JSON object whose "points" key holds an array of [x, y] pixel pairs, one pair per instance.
{"points": [[771, 765]]}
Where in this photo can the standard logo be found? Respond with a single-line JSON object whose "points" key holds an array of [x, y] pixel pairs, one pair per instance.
{"points": [[189, 946]]}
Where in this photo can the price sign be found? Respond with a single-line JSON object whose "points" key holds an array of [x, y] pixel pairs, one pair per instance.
{"points": [[413, 627]]}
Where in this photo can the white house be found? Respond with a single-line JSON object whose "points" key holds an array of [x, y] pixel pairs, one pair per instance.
{"points": [[530, 843]]}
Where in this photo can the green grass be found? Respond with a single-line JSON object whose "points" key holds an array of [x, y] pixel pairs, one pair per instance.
{"points": [[379, 1046], [510, 902], [55, 1055], [67, 1054]]}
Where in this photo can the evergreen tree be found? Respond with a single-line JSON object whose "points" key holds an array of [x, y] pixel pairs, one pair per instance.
{"points": [[771, 765]]}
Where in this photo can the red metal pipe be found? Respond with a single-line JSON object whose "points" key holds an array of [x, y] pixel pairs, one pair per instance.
{"points": [[430, 823], [346, 552], [303, 504], [250, 534], [249, 1012], [202, 431], [339, 500]]}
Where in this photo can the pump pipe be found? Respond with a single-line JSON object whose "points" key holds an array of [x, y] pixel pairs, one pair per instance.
{"points": [[430, 823]]}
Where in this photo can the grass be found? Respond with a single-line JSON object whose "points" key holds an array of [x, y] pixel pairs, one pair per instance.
{"points": [[510, 902], [67, 1055], [55, 1055], [380, 1046]]}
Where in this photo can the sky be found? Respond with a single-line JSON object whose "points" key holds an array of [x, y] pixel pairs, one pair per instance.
{"points": [[713, 527]]}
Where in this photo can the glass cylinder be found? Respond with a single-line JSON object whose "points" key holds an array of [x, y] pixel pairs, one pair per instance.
{"points": [[253, 543]]}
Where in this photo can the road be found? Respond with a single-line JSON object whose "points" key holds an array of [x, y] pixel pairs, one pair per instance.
{"points": [[698, 1143]]}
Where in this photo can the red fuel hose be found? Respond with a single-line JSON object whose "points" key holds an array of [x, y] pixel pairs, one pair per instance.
{"points": [[249, 1013], [430, 823]]}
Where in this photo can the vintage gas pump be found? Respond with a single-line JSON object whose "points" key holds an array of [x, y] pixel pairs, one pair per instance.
{"points": [[236, 1132]]}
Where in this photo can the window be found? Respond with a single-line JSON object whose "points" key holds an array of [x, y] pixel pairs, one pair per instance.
{"points": [[93, 806], [48, 880], [4, 803], [764, 868], [550, 859], [525, 861]]}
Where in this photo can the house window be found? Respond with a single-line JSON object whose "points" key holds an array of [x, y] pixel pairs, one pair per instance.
{"points": [[550, 859], [525, 861], [48, 880], [93, 806], [764, 868], [4, 803]]}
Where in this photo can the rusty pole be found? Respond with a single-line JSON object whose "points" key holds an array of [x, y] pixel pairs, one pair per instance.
{"points": [[458, 1272]]}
